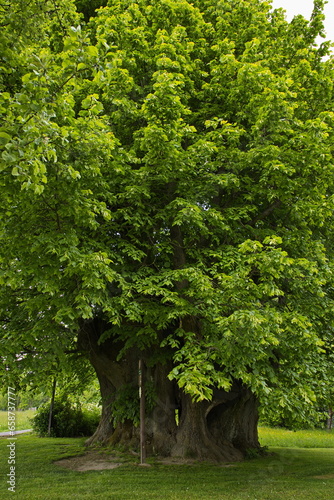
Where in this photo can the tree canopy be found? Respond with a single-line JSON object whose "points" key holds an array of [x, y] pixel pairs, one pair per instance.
{"points": [[167, 168]]}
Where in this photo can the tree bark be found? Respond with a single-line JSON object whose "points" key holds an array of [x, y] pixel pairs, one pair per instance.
{"points": [[235, 419], [105, 428], [113, 376], [161, 425], [223, 429], [220, 430], [194, 439]]}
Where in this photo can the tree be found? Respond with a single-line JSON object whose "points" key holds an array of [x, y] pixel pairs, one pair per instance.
{"points": [[168, 195]]}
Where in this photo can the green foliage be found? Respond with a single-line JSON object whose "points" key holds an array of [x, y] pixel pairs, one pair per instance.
{"points": [[288, 418], [24, 400], [293, 413], [67, 420], [28, 400], [126, 405], [168, 168]]}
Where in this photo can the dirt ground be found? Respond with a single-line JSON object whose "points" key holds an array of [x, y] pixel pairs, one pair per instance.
{"points": [[91, 460], [94, 460]]}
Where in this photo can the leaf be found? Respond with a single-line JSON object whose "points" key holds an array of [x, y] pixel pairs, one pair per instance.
{"points": [[92, 50], [4, 138], [16, 171]]}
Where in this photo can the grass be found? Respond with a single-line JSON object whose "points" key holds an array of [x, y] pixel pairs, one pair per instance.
{"points": [[290, 472], [21, 422], [300, 439]]}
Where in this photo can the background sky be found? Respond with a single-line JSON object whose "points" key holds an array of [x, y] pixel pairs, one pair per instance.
{"points": [[305, 7]]}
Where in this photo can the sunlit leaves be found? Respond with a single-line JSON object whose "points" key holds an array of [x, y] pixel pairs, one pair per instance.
{"points": [[168, 168]]}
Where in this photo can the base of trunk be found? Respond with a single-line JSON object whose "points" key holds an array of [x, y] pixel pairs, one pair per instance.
{"points": [[221, 430], [194, 439]]}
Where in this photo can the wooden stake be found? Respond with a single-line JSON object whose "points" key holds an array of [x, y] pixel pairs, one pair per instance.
{"points": [[52, 405], [142, 413]]}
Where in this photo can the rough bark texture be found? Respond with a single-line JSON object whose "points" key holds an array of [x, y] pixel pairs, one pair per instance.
{"points": [[161, 425], [234, 419], [223, 429], [105, 428], [194, 439], [113, 376]]}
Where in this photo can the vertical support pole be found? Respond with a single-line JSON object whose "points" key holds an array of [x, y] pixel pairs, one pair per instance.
{"points": [[142, 412], [52, 405]]}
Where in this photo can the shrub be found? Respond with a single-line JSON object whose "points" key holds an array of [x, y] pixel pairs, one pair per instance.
{"points": [[67, 420]]}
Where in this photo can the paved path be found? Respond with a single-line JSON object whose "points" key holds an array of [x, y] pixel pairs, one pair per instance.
{"points": [[11, 434]]}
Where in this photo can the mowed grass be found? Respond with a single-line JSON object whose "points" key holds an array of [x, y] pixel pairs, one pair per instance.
{"points": [[300, 439], [289, 472], [21, 420]]}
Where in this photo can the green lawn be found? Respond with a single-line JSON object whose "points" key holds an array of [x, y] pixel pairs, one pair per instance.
{"points": [[288, 473], [296, 439], [22, 420]]}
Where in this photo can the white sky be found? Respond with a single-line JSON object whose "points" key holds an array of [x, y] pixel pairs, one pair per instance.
{"points": [[305, 7]]}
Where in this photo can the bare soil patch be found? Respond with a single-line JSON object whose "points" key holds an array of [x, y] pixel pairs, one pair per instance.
{"points": [[89, 461], [94, 460]]}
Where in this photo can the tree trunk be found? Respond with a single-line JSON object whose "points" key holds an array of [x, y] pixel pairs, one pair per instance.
{"points": [[221, 430], [194, 439], [161, 425], [113, 377], [105, 428], [235, 419]]}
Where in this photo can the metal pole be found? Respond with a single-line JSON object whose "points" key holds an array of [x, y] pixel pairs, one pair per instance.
{"points": [[142, 413]]}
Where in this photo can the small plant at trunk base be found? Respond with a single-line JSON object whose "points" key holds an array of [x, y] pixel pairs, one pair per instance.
{"points": [[67, 420]]}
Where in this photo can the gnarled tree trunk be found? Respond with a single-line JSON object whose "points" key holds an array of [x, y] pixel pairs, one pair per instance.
{"points": [[220, 430], [114, 376], [105, 427], [234, 418], [194, 439]]}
